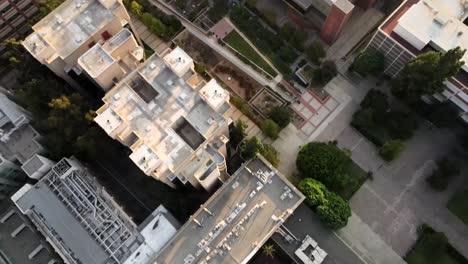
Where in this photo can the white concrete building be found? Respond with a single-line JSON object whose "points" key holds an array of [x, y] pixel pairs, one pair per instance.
{"points": [[82, 222], [418, 26], [171, 119], [89, 36]]}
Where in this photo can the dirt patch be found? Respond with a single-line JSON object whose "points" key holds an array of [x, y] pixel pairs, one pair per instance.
{"points": [[198, 50], [240, 83], [265, 101]]}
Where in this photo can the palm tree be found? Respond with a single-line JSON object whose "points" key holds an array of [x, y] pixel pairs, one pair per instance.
{"points": [[268, 250]]}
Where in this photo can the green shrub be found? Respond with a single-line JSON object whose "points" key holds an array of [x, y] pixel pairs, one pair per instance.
{"points": [[314, 191], [281, 115], [251, 147], [270, 128], [237, 132], [271, 154], [441, 176], [391, 149], [315, 53], [367, 62]]}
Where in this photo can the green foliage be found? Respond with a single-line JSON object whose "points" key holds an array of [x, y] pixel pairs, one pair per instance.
{"points": [[433, 247], [293, 35], [219, 10], [281, 115], [369, 61], [324, 73], [314, 191], [271, 154], [137, 9], [391, 149], [332, 210], [181, 4], [237, 132], [458, 205], [440, 178], [267, 42], [268, 250], [161, 24], [324, 162], [426, 73], [270, 128], [335, 212], [379, 123], [315, 53], [251, 148], [46, 6]]}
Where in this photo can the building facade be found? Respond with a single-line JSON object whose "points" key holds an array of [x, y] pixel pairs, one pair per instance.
{"points": [[418, 26], [15, 16], [89, 37], [11, 177], [172, 120], [82, 222]]}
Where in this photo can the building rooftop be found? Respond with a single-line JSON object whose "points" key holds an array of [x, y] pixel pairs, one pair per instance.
{"points": [[96, 60], [238, 218], [68, 26], [22, 144], [168, 118], [82, 221], [179, 61], [435, 23]]}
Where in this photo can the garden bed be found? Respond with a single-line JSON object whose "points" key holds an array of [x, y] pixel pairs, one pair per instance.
{"points": [[265, 101], [247, 53], [433, 248], [458, 205], [237, 81]]}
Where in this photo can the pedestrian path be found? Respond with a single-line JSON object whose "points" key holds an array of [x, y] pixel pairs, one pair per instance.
{"points": [[154, 42]]}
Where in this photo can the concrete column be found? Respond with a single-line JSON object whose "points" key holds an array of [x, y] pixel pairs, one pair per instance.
{"points": [[336, 19]]}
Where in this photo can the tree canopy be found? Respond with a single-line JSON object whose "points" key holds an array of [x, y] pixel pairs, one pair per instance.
{"points": [[281, 116], [270, 128], [324, 162], [369, 61], [251, 148], [332, 210], [315, 52], [425, 74]]}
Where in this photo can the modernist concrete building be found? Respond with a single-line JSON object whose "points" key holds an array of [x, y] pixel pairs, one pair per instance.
{"points": [[171, 119], [418, 26], [18, 139], [333, 13], [15, 16], [82, 222], [237, 219], [86, 37]]}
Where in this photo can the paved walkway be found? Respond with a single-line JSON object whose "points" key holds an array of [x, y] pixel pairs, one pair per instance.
{"points": [[154, 42]]}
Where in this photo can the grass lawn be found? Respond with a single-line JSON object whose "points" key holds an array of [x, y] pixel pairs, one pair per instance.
{"points": [[358, 176], [458, 205], [431, 248], [235, 40]]}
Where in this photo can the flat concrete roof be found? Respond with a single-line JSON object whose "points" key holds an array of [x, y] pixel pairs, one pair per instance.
{"points": [[235, 222]]}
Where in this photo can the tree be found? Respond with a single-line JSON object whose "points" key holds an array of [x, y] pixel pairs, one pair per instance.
{"points": [[314, 191], [315, 52], [281, 115], [237, 132], [335, 212], [271, 154], [391, 149], [251, 148], [425, 74], [369, 61], [324, 162], [270, 128], [268, 250], [46, 6], [137, 9], [200, 68], [325, 73], [294, 36], [440, 177], [181, 4]]}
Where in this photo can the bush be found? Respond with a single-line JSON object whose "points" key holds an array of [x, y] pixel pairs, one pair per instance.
{"points": [[367, 62], [315, 53], [335, 213], [332, 210], [440, 178], [251, 148], [237, 132], [270, 128], [324, 162], [324, 74], [271, 154], [391, 149], [293, 35], [281, 116]]}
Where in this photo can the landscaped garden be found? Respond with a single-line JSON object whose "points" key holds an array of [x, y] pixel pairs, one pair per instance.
{"points": [[383, 125], [433, 247], [329, 179], [458, 205], [247, 53], [269, 43]]}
